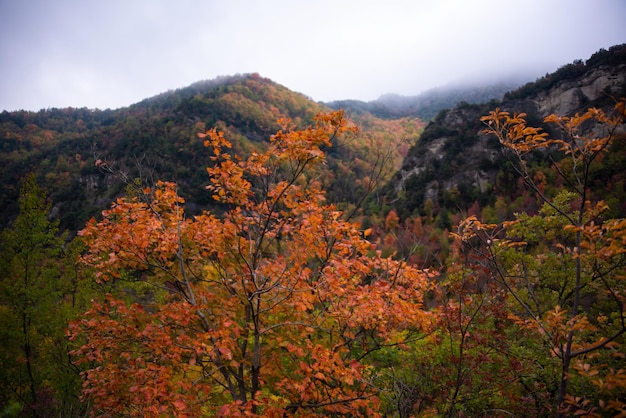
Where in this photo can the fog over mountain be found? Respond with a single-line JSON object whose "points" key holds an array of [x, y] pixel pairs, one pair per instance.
{"points": [[116, 53], [429, 102]]}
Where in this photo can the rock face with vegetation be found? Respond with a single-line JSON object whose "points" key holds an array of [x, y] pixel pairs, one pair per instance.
{"points": [[452, 160], [455, 162], [595, 86]]}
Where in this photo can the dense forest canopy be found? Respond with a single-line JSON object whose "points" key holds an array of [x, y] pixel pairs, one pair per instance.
{"points": [[157, 139], [233, 248]]}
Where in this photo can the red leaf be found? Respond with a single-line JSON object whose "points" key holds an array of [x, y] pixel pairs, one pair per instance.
{"points": [[226, 353], [180, 405], [224, 411]]}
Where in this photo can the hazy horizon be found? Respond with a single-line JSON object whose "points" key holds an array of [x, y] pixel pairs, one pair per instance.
{"points": [[72, 53]]}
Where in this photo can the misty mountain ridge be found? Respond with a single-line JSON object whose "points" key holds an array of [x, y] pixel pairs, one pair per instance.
{"points": [[427, 104]]}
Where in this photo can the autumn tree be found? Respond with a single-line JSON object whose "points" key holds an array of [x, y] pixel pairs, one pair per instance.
{"points": [[562, 269], [272, 308]]}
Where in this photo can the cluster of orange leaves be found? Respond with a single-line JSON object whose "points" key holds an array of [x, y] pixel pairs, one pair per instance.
{"points": [[261, 309]]}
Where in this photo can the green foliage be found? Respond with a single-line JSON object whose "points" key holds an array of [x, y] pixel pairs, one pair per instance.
{"points": [[38, 295]]}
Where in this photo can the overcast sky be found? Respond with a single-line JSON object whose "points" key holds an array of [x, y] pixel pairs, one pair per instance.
{"points": [[113, 53]]}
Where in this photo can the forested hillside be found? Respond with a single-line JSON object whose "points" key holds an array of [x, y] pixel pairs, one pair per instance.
{"points": [[156, 139], [234, 249]]}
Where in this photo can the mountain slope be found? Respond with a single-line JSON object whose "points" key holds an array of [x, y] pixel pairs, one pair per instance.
{"points": [[156, 139], [454, 164]]}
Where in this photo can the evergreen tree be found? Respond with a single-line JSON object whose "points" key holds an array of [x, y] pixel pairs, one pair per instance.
{"points": [[36, 375]]}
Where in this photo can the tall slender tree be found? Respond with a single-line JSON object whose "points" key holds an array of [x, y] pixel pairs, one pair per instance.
{"points": [[36, 372]]}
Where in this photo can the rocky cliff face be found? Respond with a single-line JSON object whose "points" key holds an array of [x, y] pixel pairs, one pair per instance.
{"points": [[453, 156], [570, 96]]}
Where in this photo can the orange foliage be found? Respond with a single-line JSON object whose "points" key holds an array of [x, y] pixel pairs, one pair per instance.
{"points": [[269, 309]]}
